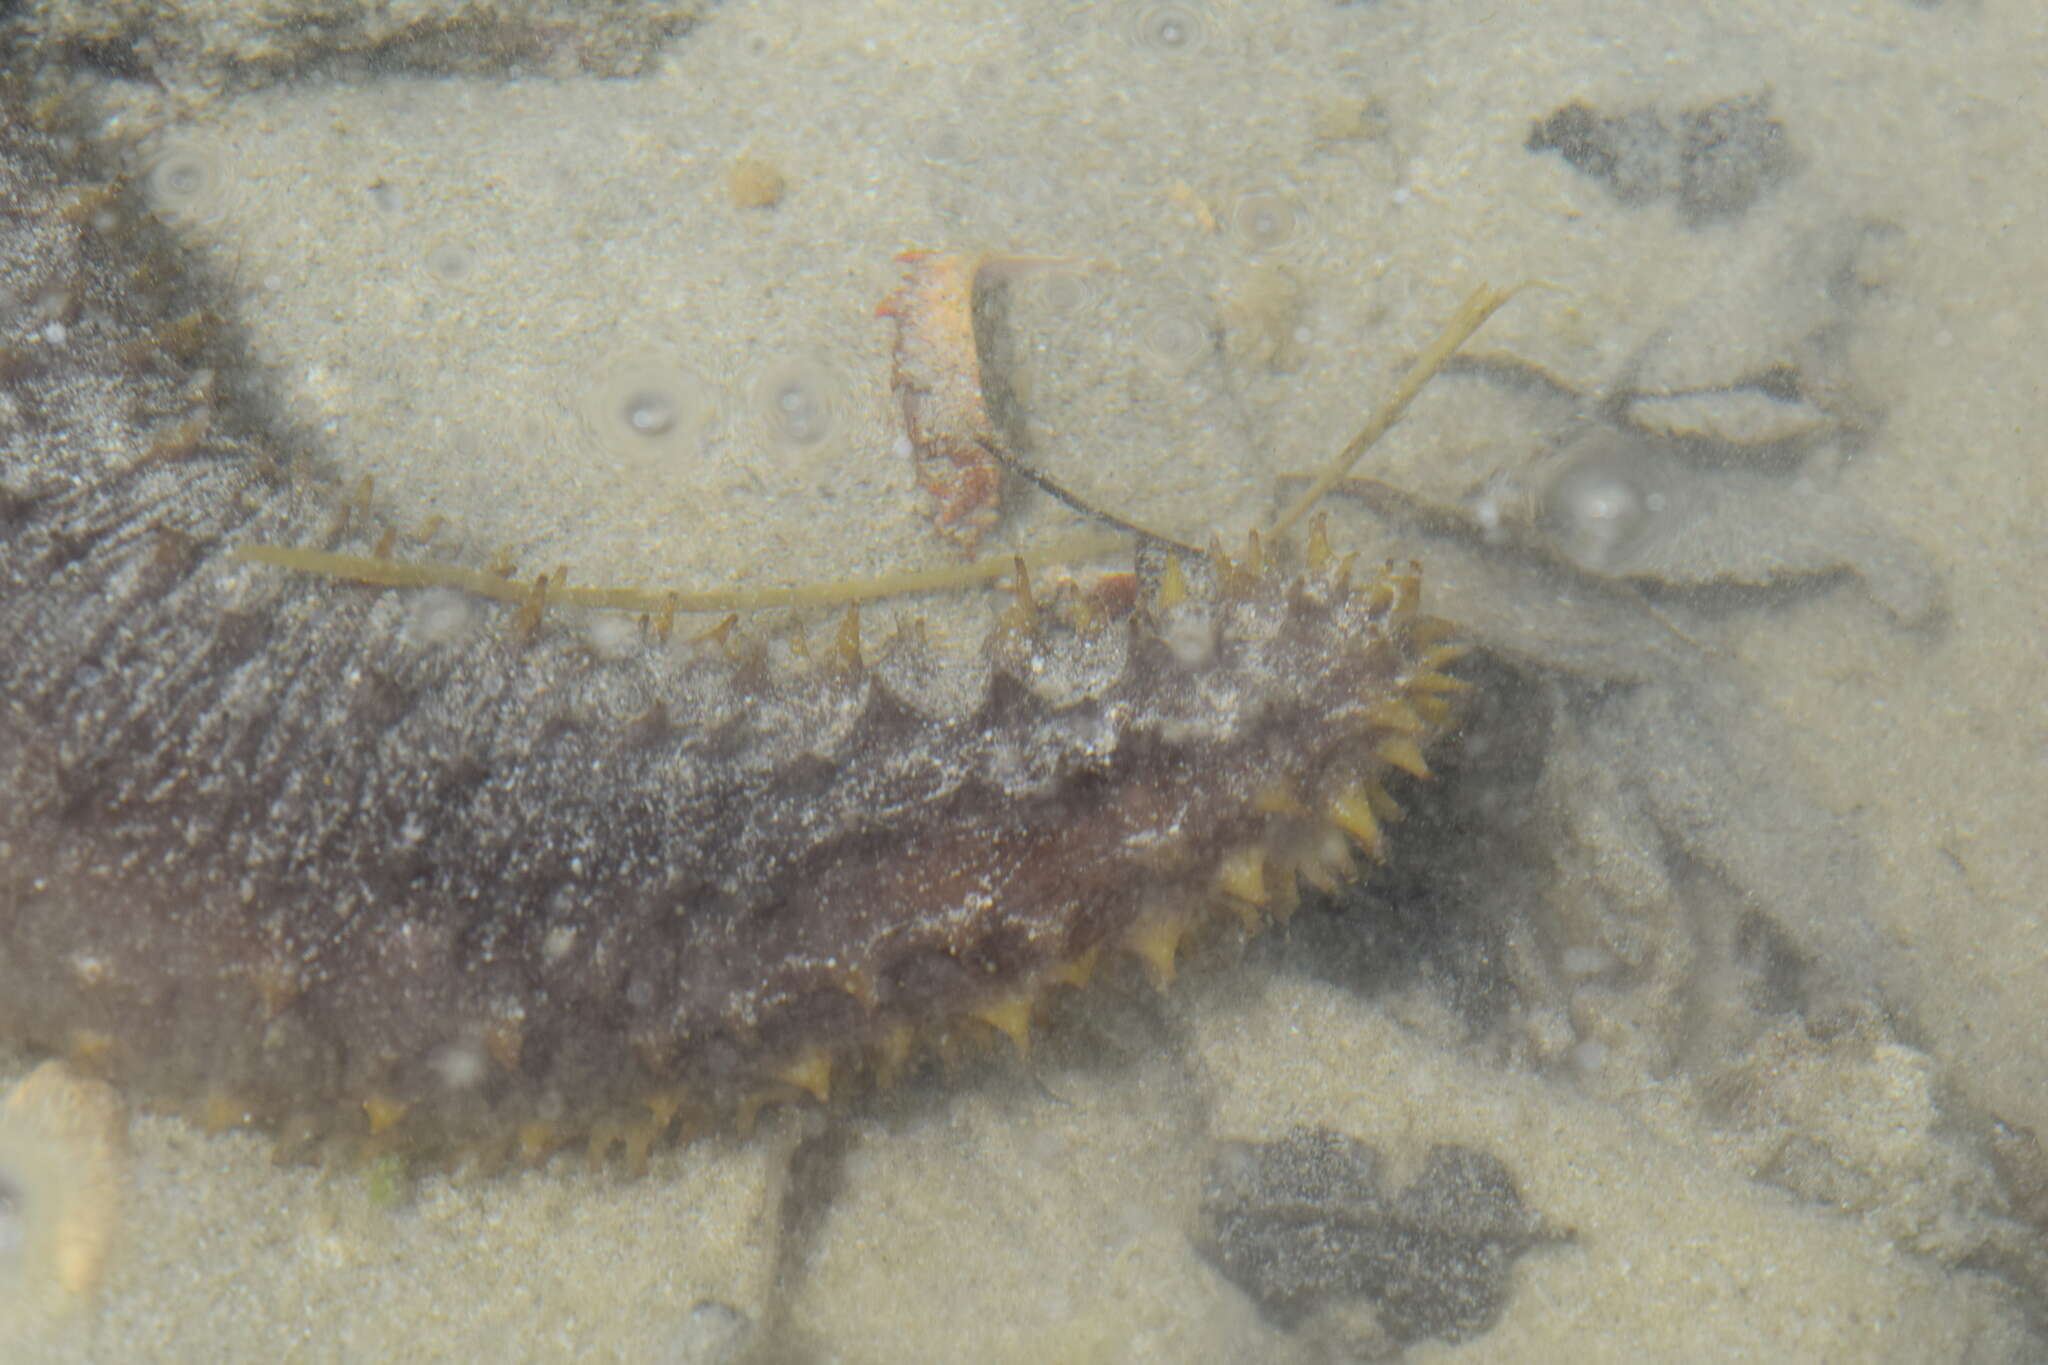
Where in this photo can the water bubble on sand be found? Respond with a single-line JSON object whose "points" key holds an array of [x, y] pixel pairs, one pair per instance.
{"points": [[189, 181], [640, 406], [1265, 222], [1169, 30], [796, 401], [452, 263], [1171, 336]]}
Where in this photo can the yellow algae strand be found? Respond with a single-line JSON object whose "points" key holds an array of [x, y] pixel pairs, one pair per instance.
{"points": [[377, 571], [389, 573], [1480, 305]]}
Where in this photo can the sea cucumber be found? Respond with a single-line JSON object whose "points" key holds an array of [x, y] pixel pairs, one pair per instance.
{"points": [[270, 856]]}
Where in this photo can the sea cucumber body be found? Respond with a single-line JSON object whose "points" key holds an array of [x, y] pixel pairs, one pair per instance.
{"points": [[310, 866], [381, 866]]}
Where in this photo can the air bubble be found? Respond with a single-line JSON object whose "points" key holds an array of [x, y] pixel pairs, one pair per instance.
{"points": [[1066, 291], [189, 182], [1266, 222], [1599, 508], [1172, 338], [949, 141], [796, 401], [453, 264], [1169, 30], [641, 407], [648, 412]]}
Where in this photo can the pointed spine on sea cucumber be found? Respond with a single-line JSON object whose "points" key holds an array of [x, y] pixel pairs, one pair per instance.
{"points": [[1010, 1015], [1351, 811]]}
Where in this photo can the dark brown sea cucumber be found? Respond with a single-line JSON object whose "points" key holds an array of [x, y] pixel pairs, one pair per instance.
{"points": [[427, 870]]}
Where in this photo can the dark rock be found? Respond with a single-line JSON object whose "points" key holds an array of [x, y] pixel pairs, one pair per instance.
{"points": [[1304, 1226], [1714, 160]]}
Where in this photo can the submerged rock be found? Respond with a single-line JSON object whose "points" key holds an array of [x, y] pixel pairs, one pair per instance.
{"points": [[1713, 160], [1305, 1226]]}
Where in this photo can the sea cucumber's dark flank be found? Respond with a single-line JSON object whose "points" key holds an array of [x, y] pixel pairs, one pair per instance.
{"points": [[421, 870]]}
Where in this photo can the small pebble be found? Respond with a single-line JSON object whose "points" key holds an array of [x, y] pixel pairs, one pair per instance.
{"points": [[754, 184]]}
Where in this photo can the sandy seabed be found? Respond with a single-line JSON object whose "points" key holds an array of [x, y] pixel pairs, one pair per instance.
{"points": [[457, 279]]}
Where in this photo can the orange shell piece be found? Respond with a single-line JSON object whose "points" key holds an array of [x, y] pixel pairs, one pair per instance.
{"points": [[937, 378]]}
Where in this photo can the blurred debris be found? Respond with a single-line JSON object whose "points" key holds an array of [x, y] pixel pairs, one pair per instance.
{"points": [[1634, 508], [229, 45], [2022, 1166], [1349, 118], [1831, 1106], [1262, 319], [1681, 740], [63, 1175], [1608, 504], [1712, 460], [752, 183], [711, 1333], [1757, 362]]}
